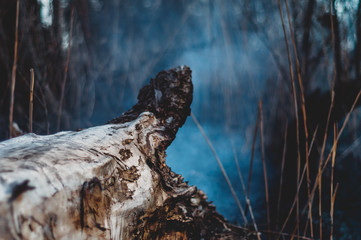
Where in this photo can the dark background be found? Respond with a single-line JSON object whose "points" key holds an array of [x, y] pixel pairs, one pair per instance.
{"points": [[238, 55]]}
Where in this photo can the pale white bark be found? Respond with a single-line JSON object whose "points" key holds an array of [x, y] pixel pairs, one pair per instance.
{"points": [[104, 167]]}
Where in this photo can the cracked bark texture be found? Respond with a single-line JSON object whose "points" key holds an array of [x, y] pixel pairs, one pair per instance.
{"points": [[110, 181]]}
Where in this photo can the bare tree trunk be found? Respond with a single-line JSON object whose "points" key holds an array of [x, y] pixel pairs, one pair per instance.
{"points": [[110, 181]]}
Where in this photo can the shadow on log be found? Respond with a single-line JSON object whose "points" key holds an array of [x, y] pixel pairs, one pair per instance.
{"points": [[110, 181]]}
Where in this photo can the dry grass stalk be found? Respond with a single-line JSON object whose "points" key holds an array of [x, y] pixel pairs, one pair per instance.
{"points": [[221, 167], [295, 201], [252, 153], [295, 105], [332, 170], [245, 193], [264, 168], [330, 153], [309, 152], [320, 202], [333, 84], [303, 108], [31, 100], [305, 229], [313, 140], [294, 232], [252, 158], [310, 199], [65, 70], [321, 162], [281, 178], [298, 187], [13, 73], [332, 209]]}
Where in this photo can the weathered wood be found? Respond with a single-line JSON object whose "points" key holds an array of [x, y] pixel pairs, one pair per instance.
{"points": [[111, 181]]}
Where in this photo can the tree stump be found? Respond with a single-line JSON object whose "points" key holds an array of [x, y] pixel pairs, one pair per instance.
{"points": [[110, 181]]}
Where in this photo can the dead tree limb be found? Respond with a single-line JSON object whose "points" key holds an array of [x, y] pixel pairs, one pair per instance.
{"points": [[110, 181]]}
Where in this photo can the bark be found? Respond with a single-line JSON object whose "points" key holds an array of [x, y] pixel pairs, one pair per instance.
{"points": [[110, 181]]}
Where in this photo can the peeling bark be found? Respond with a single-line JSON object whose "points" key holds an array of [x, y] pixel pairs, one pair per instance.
{"points": [[110, 181]]}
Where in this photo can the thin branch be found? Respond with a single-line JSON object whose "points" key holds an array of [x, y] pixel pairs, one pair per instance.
{"points": [[44, 105], [13, 74], [31, 100], [65, 70]]}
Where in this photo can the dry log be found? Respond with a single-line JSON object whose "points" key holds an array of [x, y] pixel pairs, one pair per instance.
{"points": [[110, 181]]}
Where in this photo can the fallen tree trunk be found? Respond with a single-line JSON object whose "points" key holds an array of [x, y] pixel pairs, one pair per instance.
{"points": [[111, 181]]}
